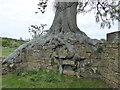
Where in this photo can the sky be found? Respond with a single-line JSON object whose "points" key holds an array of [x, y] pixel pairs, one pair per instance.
{"points": [[17, 15]]}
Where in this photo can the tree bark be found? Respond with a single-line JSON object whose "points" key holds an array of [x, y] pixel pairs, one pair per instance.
{"points": [[65, 18]]}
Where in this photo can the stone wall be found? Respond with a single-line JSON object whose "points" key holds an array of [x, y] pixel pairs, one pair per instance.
{"points": [[80, 59], [113, 37], [108, 67], [110, 61], [52, 57]]}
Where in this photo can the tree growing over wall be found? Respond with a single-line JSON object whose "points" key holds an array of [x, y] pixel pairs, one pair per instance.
{"points": [[64, 31], [106, 12]]}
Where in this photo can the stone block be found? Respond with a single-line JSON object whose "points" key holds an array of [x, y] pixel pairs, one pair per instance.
{"points": [[70, 73], [54, 54], [113, 37], [62, 52], [68, 62]]}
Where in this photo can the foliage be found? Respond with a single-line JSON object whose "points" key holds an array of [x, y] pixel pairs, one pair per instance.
{"points": [[42, 5], [11, 43], [14, 44], [100, 49], [36, 31], [5, 43], [51, 79], [103, 40], [107, 11]]}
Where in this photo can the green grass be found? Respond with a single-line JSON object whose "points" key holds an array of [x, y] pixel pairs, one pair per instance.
{"points": [[51, 79], [7, 51], [9, 45]]}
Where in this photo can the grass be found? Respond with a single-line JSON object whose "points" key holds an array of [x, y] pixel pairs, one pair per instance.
{"points": [[51, 79], [8, 45], [7, 51]]}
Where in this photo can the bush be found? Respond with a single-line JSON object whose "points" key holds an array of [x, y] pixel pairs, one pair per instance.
{"points": [[14, 44], [100, 49], [11, 43], [103, 40], [5, 43]]}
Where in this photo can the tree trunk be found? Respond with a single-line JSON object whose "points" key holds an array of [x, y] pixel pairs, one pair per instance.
{"points": [[65, 18]]}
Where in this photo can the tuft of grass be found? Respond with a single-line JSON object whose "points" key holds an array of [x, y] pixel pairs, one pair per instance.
{"points": [[51, 79]]}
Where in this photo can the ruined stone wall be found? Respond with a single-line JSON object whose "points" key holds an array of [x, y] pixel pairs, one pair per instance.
{"points": [[110, 61], [51, 57], [108, 67], [100, 61], [105, 61]]}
